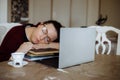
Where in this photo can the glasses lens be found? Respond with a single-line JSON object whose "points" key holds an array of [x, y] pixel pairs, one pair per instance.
{"points": [[47, 39], [44, 30]]}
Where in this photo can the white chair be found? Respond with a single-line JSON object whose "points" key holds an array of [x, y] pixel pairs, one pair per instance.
{"points": [[101, 38]]}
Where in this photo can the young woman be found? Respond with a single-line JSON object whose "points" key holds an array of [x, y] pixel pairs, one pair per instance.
{"points": [[25, 37]]}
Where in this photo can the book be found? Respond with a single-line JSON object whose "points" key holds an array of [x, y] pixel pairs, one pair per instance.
{"points": [[40, 54], [43, 51], [38, 58]]}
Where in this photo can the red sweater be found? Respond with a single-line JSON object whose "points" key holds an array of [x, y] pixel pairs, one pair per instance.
{"points": [[11, 42]]}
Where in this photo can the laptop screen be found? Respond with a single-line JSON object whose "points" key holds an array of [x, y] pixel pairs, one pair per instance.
{"points": [[77, 45]]}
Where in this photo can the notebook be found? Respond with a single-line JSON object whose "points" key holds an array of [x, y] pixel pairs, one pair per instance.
{"points": [[41, 54], [77, 46]]}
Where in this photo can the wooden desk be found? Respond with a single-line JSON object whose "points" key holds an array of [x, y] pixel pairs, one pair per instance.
{"points": [[105, 67]]}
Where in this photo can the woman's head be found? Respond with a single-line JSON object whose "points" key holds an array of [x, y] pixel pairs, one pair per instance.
{"points": [[57, 27], [46, 32]]}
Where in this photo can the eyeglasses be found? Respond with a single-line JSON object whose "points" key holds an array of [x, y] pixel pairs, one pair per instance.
{"points": [[45, 32]]}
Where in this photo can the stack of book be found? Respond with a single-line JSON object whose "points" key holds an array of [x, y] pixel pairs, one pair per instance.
{"points": [[40, 54]]}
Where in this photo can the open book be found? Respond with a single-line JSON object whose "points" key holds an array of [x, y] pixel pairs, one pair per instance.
{"points": [[40, 54]]}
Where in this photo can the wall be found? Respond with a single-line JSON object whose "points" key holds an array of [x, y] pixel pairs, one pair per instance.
{"points": [[111, 8], [39, 10], [68, 12], [71, 13], [13, 10], [61, 11], [92, 12], [3, 11], [78, 13]]}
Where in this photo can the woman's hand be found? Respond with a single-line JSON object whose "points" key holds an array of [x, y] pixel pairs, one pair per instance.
{"points": [[25, 47], [38, 46], [54, 45], [50, 45]]}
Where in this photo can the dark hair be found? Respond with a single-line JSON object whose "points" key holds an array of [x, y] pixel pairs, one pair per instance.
{"points": [[57, 26]]}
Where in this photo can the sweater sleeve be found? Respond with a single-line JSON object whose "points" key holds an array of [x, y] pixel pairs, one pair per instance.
{"points": [[13, 39]]}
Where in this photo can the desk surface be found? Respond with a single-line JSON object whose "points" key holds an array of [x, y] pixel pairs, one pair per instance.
{"points": [[105, 67]]}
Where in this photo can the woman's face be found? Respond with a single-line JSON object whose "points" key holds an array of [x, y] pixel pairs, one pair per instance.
{"points": [[44, 34]]}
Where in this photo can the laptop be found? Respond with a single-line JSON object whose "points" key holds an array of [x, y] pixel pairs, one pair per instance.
{"points": [[77, 46]]}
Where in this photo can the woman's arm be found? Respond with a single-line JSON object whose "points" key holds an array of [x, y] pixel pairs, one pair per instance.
{"points": [[50, 45], [25, 47], [53, 45]]}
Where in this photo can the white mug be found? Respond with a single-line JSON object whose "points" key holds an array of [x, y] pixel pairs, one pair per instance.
{"points": [[18, 59]]}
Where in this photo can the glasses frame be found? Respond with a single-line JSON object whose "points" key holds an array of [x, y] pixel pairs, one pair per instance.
{"points": [[45, 32]]}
